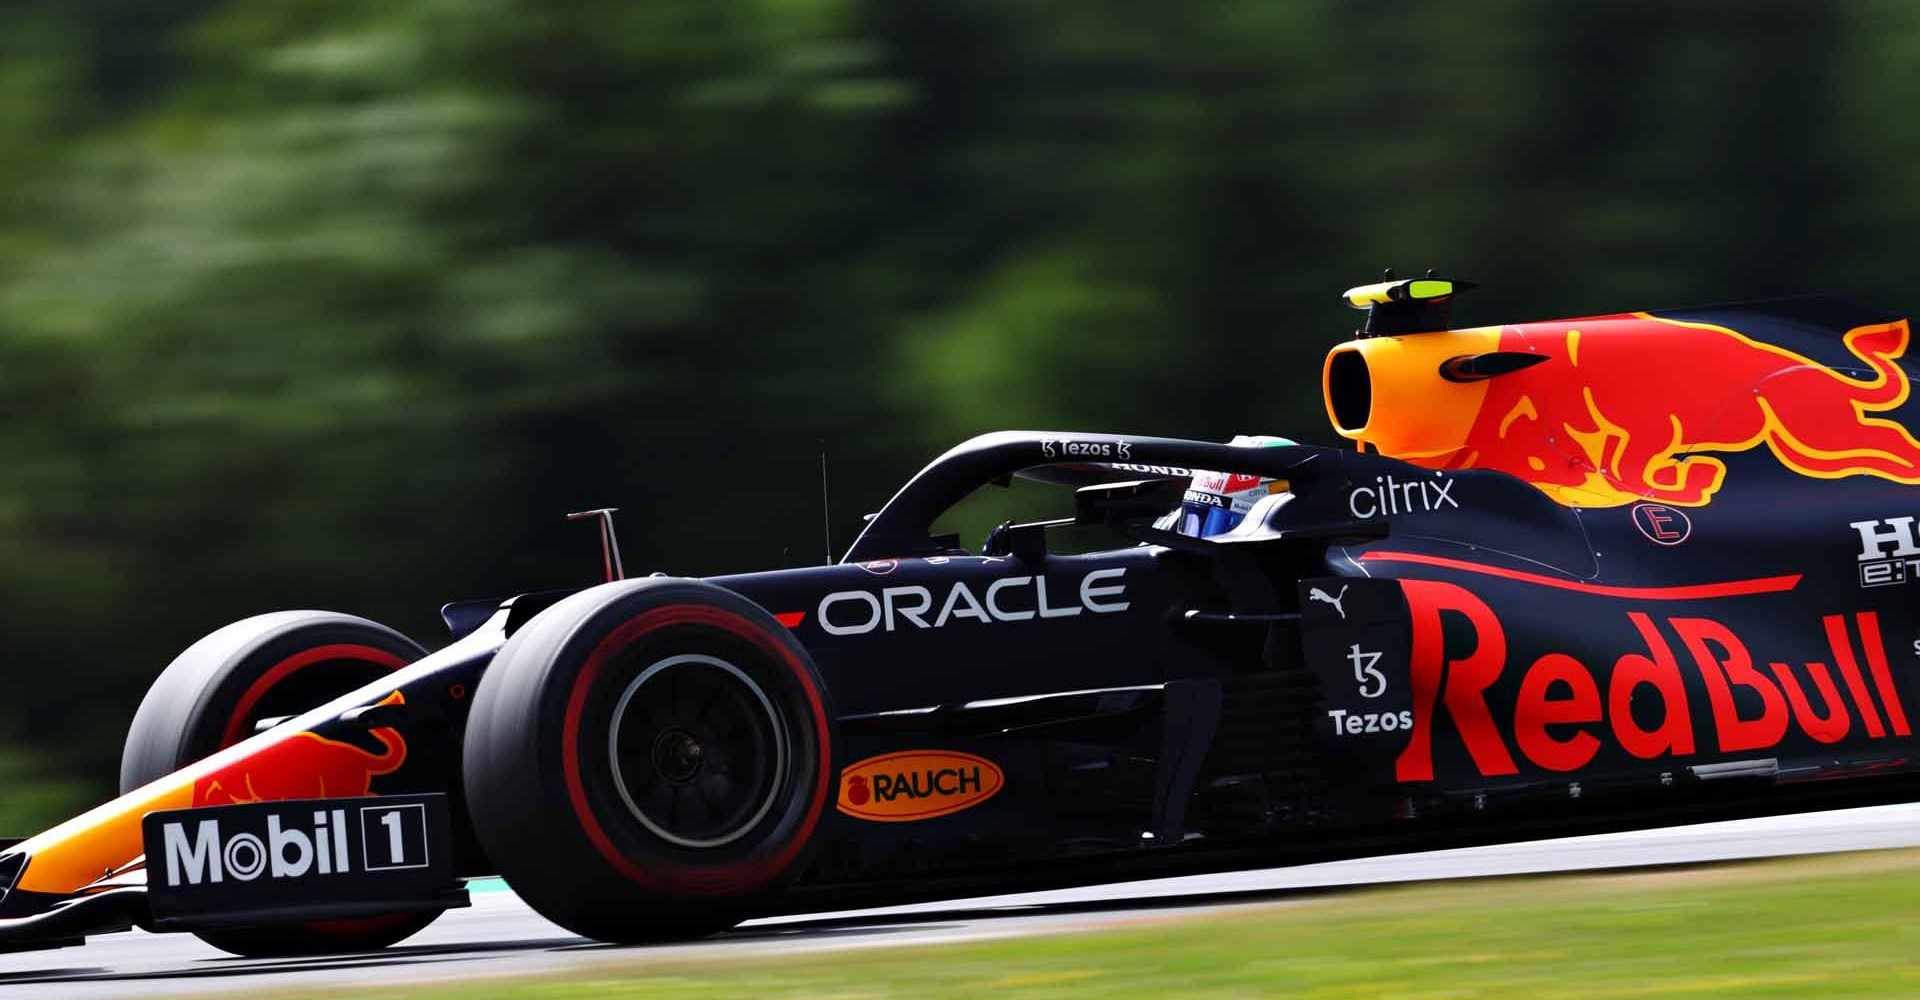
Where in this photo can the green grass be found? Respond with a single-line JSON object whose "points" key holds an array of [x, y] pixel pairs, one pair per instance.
{"points": [[1823, 927]]}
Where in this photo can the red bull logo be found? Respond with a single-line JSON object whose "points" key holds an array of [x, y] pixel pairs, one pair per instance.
{"points": [[1636, 407], [1567, 712], [305, 766]]}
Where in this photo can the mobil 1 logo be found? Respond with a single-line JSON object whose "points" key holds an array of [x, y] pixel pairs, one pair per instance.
{"points": [[308, 857]]}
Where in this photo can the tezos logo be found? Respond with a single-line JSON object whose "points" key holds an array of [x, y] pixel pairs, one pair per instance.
{"points": [[1389, 496], [1889, 551], [917, 784], [1347, 723], [1371, 681], [1068, 448], [1008, 599], [207, 856]]}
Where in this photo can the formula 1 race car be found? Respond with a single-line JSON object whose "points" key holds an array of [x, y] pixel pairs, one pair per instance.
{"points": [[1581, 574]]}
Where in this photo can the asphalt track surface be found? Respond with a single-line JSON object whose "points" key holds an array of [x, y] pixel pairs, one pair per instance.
{"points": [[499, 936]]}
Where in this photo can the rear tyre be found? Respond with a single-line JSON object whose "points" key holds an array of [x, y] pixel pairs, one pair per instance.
{"points": [[649, 760], [214, 694]]}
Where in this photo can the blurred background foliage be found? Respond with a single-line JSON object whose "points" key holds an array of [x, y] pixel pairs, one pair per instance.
{"points": [[341, 303]]}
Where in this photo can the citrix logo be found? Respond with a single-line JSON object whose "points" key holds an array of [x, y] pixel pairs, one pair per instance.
{"points": [[285, 853], [1388, 496]]}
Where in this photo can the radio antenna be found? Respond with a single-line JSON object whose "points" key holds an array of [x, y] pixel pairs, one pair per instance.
{"points": [[826, 518]]}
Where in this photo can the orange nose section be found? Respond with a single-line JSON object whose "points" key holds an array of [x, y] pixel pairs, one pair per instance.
{"points": [[1388, 392], [300, 765]]}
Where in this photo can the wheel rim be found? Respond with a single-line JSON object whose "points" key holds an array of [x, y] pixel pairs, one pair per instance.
{"points": [[698, 751]]}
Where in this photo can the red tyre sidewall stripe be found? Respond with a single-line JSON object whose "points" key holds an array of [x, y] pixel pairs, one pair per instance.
{"points": [[704, 880], [236, 723]]}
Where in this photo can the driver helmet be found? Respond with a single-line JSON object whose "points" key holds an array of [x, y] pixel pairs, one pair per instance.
{"points": [[1216, 502]]}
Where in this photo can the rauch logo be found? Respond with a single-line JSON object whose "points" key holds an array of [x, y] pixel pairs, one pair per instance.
{"points": [[917, 784]]}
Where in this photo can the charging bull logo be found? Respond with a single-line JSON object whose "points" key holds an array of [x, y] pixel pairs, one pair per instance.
{"points": [[1566, 713], [305, 766], [1610, 410]]}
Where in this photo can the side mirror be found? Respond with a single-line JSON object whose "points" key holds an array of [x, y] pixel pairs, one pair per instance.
{"points": [[1025, 542], [1116, 503]]}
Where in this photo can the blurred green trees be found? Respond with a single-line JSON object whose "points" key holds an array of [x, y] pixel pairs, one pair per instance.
{"points": [[342, 303]]}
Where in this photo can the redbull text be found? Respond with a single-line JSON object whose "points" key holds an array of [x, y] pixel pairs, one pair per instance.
{"points": [[1567, 712]]}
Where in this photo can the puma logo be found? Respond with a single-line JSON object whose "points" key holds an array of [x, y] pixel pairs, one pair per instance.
{"points": [[1316, 594]]}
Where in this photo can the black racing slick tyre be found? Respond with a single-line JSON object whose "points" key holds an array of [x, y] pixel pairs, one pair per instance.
{"points": [[213, 696], [649, 760]]}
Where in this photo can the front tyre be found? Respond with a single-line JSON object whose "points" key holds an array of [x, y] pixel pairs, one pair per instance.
{"points": [[649, 760], [216, 693]]}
